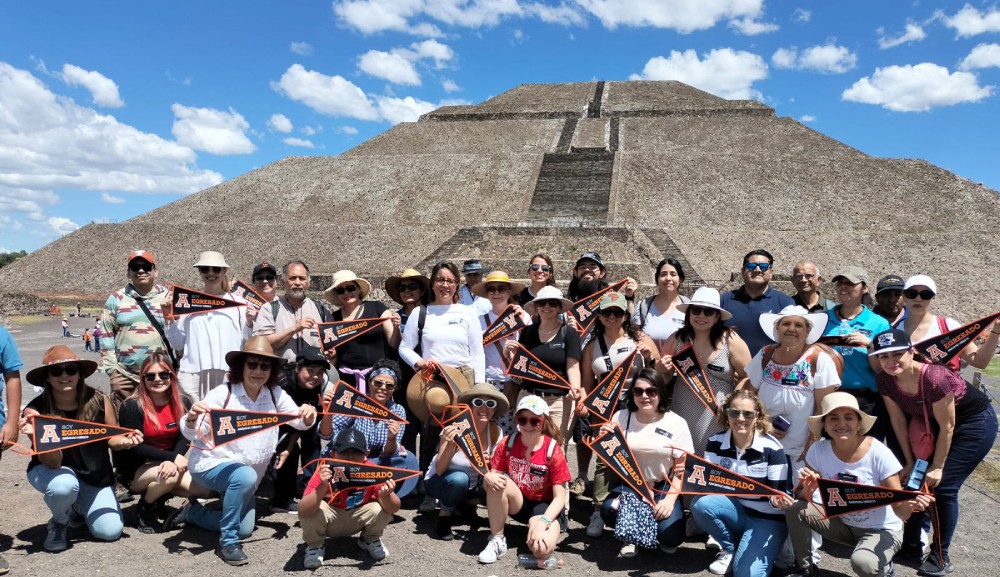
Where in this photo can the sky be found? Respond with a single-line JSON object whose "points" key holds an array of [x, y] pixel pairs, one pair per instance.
{"points": [[111, 109]]}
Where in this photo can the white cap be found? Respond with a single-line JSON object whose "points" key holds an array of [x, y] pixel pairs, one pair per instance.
{"points": [[921, 280]]}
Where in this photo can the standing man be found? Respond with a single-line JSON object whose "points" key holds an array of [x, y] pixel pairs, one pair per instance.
{"points": [[132, 325], [65, 327], [754, 298], [290, 322], [806, 280], [10, 380], [889, 298], [473, 271]]}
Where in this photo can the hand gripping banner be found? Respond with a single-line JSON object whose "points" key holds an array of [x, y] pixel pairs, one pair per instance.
{"points": [[186, 301], [702, 477], [602, 401], [246, 292], [56, 433], [843, 497], [350, 402], [691, 372], [614, 451], [527, 367], [231, 425], [336, 333], [467, 437], [585, 309], [349, 475], [943, 348], [508, 323]]}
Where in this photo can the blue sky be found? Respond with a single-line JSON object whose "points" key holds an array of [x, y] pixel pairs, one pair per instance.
{"points": [[110, 109]]}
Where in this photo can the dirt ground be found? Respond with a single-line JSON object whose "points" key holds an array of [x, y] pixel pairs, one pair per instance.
{"points": [[276, 544]]}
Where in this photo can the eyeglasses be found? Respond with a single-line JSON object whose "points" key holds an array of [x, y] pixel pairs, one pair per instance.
{"points": [[541, 267], [488, 403], [141, 266], [735, 414], [163, 376], [266, 278], [702, 311], [409, 287], [497, 289], [205, 269], [346, 289], [763, 266], [645, 392], [926, 294], [258, 365], [616, 313], [388, 385], [801, 276], [445, 281], [525, 421], [58, 370], [554, 303]]}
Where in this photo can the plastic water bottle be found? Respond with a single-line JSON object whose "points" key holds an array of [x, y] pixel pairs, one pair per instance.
{"points": [[528, 561], [845, 329]]}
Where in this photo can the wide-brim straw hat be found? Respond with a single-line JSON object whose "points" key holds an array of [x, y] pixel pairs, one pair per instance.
{"points": [[211, 258], [425, 396], [817, 322], [709, 298], [344, 276], [259, 347], [485, 390], [834, 401], [392, 283], [497, 276], [58, 355], [547, 293]]}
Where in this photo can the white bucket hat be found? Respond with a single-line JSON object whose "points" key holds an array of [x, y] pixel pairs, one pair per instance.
{"points": [[706, 297], [342, 276], [817, 322], [545, 294], [211, 258]]}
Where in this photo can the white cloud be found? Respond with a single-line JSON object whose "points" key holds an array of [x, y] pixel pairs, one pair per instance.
{"points": [[280, 123], [308, 130], [562, 14], [913, 33], [348, 130], [723, 71], [330, 95], [301, 48], [969, 21], [61, 226], [681, 15], [982, 56], [450, 86], [830, 59], [103, 90], [441, 53], [408, 109], [388, 66], [211, 130], [108, 198], [372, 16], [807, 118], [751, 27], [916, 88], [292, 141], [801, 15]]}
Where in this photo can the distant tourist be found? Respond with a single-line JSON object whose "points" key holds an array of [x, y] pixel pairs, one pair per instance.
{"points": [[889, 298], [88, 340], [754, 298], [96, 333], [806, 280], [10, 380], [65, 327]]}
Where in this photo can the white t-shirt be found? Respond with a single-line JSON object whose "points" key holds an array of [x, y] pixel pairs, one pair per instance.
{"points": [[205, 338], [658, 326], [451, 336], [876, 465], [495, 365], [656, 445]]}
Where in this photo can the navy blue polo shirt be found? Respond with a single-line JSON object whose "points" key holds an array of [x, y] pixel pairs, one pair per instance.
{"points": [[746, 313]]}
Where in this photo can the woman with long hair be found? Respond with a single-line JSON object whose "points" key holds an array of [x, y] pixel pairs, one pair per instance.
{"points": [[542, 273], [156, 468], [965, 420], [659, 316], [410, 289], [77, 481], [527, 481]]}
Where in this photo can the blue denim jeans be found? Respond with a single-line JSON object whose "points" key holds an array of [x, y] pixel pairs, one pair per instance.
{"points": [[754, 541], [408, 461], [64, 491], [237, 483], [450, 489], [669, 531]]}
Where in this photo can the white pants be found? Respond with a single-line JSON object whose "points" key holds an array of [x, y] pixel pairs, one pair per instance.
{"points": [[197, 385]]}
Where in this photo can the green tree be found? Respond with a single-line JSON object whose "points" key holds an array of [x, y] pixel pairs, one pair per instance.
{"points": [[8, 257]]}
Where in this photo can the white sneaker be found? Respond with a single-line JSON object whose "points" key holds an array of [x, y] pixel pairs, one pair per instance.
{"points": [[375, 548], [712, 544], [314, 557], [596, 527], [428, 505], [495, 548], [721, 563], [628, 550]]}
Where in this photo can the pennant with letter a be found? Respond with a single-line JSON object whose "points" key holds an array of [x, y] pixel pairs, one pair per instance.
{"points": [[691, 372], [231, 425], [336, 333], [57, 433], [246, 292], [943, 348], [602, 401], [702, 477], [528, 367], [614, 451], [186, 301], [467, 437], [843, 497], [585, 309], [350, 402], [352, 475], [508, 323]]}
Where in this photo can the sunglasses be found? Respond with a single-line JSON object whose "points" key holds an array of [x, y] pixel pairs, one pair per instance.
{"points": [[266, 278], [645, 392], [409, 287], [554, 303], [388, 385], [763, 266], [803, 276], [488, 403], [258, 365], [144, 266], [497, 289], [702, 311], [525, 421], [58, 370], [205, 269], [345, 289], [735, 414], [541, 267], [616, 313], [163, 376], [926, 294]]}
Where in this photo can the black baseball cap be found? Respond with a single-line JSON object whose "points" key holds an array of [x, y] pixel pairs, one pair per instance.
{"points": [[350, 440], [889, 341], [262, 267], [889, 282], [590, 256], [312, 356]]}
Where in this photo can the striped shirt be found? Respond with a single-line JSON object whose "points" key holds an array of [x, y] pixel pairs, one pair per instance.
{"points": [[764, 461]]}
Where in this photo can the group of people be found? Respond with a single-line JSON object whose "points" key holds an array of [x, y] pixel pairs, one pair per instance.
{"points": [[787, 410]]}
